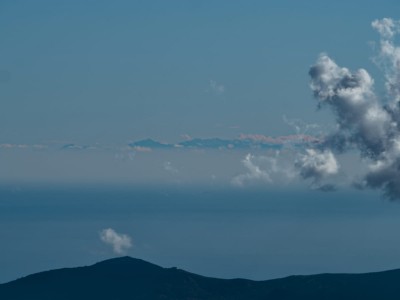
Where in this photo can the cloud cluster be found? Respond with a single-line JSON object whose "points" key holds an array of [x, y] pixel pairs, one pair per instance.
{"points": [[317, 164], [254, 172], [270, 168], [364, 123], [119, 242], [287, 166], [386, 27]]}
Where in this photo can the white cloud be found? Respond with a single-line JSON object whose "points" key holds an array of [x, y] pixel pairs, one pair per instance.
{"points": [[361, 120], [217, 88], [254, 172], [119, 242], [317, 165], [386, 27], [301, 127], [364, 123], [389, 56], [275, 167]]}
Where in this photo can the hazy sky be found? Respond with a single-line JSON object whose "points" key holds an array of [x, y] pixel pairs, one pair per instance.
{"points": [[104, 73], [80, 80], [112, 71]]}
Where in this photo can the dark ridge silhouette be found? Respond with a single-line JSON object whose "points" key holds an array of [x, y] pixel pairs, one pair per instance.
{"points": [[130, 278]]}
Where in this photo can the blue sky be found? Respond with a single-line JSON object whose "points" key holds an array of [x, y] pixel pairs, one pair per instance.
{"points": [[104, 74], [81, 81], [101, 71]]}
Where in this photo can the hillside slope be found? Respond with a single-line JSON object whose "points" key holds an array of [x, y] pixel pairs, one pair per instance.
{"points": [[130, 278]]}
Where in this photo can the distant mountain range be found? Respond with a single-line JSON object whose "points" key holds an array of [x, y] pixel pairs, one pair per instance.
{"points": [[254, 141], [243, 141], [130, 278]]}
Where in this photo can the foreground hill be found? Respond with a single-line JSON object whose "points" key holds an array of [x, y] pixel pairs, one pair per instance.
{"points": [[129, 278]]}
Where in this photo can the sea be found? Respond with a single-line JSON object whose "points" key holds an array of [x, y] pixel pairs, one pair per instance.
{"points": [[224, 232]]}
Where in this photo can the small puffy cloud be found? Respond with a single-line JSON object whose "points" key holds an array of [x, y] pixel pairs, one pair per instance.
{"points": [[279, 166], [217, 88], [386, 27], [254, 172], [275, 167], [119, 242], [317, 164]]}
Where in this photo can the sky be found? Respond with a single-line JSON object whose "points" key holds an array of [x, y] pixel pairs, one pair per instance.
{"points": [[110, 72], [103, 75], [245, 103]]}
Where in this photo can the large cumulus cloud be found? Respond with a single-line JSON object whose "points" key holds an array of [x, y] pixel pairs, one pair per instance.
{"points": [[364, 122]]}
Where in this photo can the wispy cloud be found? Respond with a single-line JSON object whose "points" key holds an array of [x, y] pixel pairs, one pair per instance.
{"points": [[302, 128], [23, 146], [120, 242], [216, 88], [280, 140], [274, 167]]}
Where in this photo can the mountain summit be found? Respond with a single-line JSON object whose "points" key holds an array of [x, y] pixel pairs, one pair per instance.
{"points": [[130, 278]]}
